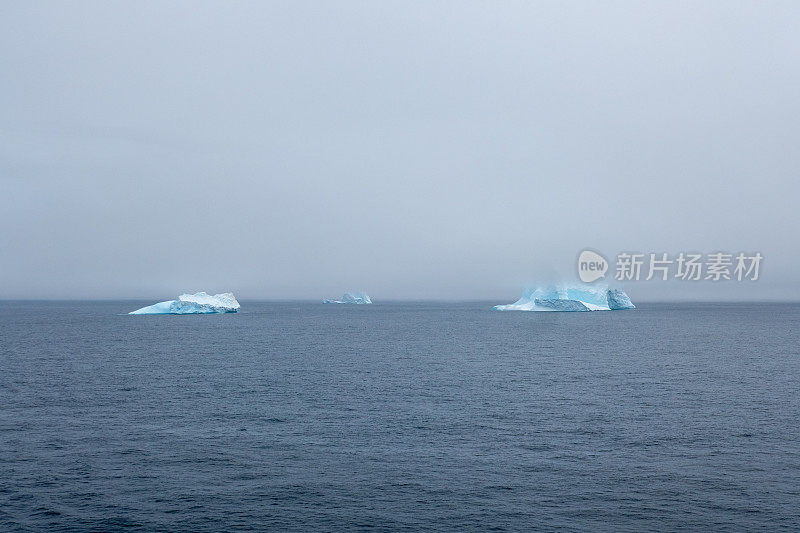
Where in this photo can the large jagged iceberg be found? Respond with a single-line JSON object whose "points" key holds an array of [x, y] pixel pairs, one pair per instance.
{"points": [[350, 298], [571, 297], [198, 303]]}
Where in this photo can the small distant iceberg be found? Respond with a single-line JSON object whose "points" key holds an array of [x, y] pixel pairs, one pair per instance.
{"points": [[189, 304], [350, 298], [570, 297]]}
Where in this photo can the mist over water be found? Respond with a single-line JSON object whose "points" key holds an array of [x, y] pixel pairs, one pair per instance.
{"points": [[442, 157], [299, 150]]}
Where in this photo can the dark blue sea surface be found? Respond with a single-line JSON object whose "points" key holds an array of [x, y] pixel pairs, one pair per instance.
{"points": [[417, 416]]}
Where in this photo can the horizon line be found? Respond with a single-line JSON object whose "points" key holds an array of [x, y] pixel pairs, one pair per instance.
{"points": [[389, 300]]}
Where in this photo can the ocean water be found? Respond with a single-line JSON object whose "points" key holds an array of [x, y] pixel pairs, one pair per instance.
{"points": [[416, 416]]}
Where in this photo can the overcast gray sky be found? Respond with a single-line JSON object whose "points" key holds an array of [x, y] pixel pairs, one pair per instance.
{"points": [[411, 149]]}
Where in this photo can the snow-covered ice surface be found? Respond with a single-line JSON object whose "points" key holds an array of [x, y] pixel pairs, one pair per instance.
{"points": [[570, 297], [350, 298], [198, 303]]}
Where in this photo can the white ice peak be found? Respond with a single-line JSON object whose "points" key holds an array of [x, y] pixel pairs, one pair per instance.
{"points": [[198, 303], [351, 298]]}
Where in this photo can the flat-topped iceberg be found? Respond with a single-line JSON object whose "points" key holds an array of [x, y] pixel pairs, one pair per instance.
{"points": [[571, 297], [350, 298], [198, 303]]}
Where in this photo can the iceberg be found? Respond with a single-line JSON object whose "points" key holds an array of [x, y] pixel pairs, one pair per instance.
{"points": [[350, 298], [198, 303], [570, 297], [617, 299]]}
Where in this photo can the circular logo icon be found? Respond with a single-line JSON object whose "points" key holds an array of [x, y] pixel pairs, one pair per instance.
{"points": [[591, 266]]}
